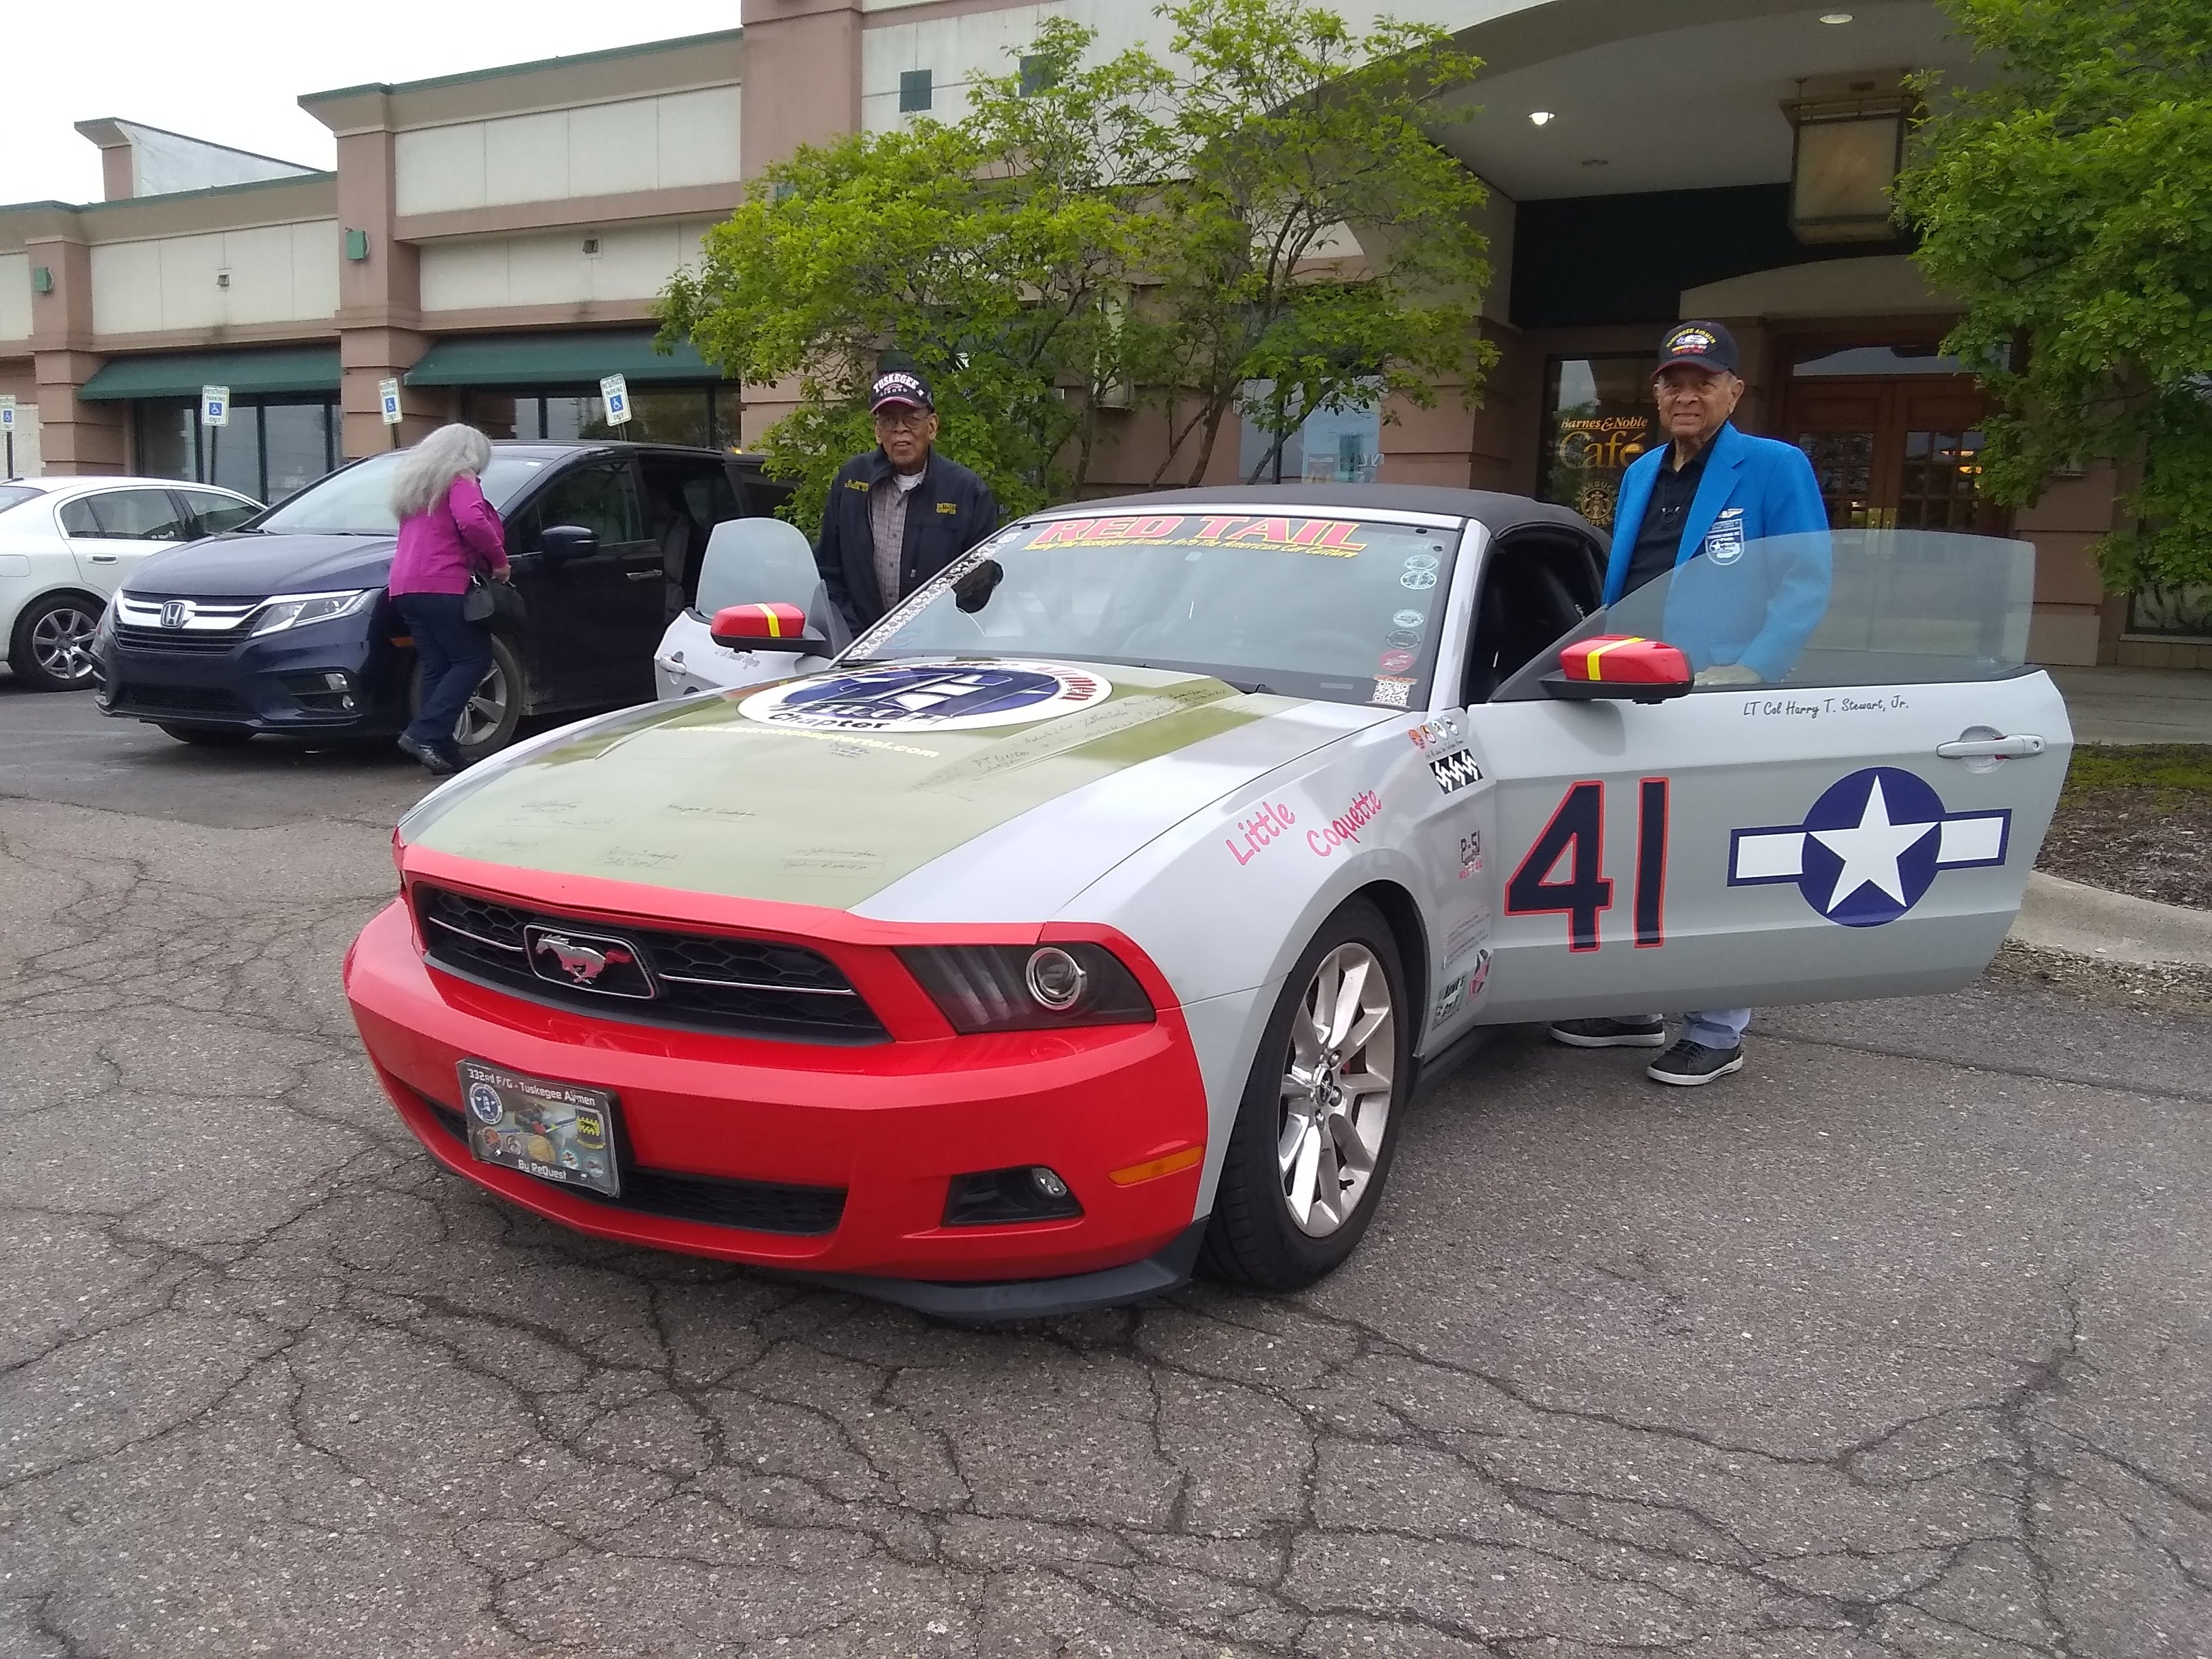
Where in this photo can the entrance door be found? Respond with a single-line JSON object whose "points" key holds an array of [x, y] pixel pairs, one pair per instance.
{"points": [[1894, 454]]}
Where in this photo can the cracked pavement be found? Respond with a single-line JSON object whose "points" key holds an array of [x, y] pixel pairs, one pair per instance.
{"points": [[1894, 1344]]}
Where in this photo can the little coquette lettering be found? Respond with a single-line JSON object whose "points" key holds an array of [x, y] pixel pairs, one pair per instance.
{"points": [[1345, 829], [1267, 825]]}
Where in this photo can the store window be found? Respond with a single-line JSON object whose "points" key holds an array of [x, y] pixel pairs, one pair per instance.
{"points": [[1598, 418], [703, 417], [269, 450], [1333, 444]]}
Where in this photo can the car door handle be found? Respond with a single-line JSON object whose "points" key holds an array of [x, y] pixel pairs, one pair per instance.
{"points": [[653, 575], [1999, 748], [102, 559]]}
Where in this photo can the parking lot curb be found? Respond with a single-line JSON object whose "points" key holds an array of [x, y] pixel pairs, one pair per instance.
{"points": [[2057, 915]]}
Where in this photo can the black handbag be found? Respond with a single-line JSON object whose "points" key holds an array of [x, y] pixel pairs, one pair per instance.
{"points": [[476, 603]]}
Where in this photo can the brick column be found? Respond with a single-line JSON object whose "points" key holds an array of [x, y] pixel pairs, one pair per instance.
{"points": [[802, 77], [75, 437], [380, 297]]}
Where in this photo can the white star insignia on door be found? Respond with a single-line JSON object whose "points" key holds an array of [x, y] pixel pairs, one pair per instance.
{"points": [[1869, 847]]}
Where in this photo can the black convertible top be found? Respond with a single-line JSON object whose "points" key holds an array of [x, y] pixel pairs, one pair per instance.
{"points": [[1495, 511]]}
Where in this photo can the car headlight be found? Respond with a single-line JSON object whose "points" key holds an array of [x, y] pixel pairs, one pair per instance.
{"points": [[1028, 987], [297, 610]]}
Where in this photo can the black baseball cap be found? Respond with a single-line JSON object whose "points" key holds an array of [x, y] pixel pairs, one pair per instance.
{"points": [[1702, 345], [900, 385]]}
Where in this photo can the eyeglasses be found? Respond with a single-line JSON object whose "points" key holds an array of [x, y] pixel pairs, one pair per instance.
{"points": [[903, 418]]}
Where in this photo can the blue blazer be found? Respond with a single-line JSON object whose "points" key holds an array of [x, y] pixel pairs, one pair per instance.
{"points": [[1749, 600]]}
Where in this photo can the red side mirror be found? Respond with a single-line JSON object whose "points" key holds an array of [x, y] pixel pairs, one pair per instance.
{"points": [[1624, 666], [765, 626]]}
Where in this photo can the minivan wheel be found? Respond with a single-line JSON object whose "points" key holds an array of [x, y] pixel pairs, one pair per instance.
{"points": [[51, 650], [494, 709], [1312, 1149]]}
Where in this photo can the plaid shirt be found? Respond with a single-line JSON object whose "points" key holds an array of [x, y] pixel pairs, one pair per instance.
{"points": [[887, 527]]}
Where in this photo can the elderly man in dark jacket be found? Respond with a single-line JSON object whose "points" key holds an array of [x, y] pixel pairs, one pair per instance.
{"points": [[900, 513]]}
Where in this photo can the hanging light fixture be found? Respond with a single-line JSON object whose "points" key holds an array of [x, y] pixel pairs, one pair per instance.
{"points": [[1848, 149]]}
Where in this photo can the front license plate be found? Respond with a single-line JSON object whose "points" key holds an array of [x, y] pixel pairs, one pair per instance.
{"points": [[561, 1132]]}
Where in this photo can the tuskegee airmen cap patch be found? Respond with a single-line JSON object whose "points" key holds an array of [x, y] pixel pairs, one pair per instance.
{"points": [[1703, 345]]}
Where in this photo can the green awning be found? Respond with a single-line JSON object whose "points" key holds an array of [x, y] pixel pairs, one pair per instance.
{"points": [[579, 359], [248, 373]]}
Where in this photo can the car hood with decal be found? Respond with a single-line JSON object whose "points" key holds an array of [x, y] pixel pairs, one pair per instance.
{"points": [[1093, 916]]}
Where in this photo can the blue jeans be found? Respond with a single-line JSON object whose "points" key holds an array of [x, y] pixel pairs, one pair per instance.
{"points": [[454, 655], [1717, 1028]]}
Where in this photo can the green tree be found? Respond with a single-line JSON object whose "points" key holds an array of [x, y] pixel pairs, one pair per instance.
{"points": [[1163, 232], [2068, 197]]}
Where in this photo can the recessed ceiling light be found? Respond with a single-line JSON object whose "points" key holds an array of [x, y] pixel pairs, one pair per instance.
{"points": [[1835, 17], [1540, 116]]}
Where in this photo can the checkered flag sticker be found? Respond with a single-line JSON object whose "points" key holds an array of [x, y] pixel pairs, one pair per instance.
{"points": [[1455, 770]]}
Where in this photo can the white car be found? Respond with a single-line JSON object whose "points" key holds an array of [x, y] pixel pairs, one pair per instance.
{"points": [[1099, 909], [747, 561], [66, 545]]}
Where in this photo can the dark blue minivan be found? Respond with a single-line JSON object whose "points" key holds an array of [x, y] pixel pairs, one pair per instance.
{"points": [[283, 625]]}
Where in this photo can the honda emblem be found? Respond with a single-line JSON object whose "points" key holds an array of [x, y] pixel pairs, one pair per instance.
{"points": [[175, 613]]}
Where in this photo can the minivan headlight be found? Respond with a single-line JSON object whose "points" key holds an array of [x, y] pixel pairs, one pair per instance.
{"points": [[297, 610]]}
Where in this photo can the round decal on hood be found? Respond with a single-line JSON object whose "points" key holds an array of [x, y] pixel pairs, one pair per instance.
{"points": [[945, 697]]}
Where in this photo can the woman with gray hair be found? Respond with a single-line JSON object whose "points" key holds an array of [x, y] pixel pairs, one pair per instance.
{"points": [[448, 536]]}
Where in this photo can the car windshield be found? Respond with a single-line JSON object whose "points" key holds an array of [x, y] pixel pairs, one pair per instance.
{"points": [[1340, 609], [355, 501], [15, 496]]}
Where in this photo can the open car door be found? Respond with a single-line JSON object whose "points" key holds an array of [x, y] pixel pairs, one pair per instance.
{"points": [[749, 562], [1847, 804]]}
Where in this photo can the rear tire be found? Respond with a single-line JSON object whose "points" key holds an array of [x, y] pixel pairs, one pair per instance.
{"points": [[1311, 1149], [210, 737], [52, 647]]}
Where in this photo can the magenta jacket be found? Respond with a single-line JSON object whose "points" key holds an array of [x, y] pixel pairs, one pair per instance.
{"points": [[440, 549]]}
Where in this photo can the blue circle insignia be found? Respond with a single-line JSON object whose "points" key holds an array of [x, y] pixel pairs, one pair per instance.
{"points": [[483, 1101], [1871, 845], [944, 697]]}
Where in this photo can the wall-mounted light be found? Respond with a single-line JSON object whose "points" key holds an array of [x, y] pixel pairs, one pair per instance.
{"points": [[1833, 17], [591, 247], [1540, 117], [223, 279], [42, 279], [1845, 156], [356, 245]]}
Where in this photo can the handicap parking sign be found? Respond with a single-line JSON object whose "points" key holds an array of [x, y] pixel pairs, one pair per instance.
{"points": [[214, 406], [616, 391]]}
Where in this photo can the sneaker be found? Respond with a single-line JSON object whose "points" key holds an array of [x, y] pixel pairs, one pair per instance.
{"points": [[1688, 1064], [1611, 1033], [432, 761]]}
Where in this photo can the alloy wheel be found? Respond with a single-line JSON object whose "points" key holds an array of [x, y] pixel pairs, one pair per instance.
{"points": [[61, 643], [1337, 1090], [487, 707]]}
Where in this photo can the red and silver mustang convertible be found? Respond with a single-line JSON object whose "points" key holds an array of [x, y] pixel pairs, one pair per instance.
{"points": [[1095, 915]]}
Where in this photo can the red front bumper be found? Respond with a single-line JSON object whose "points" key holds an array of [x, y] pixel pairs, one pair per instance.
{"points": [[890, 1123]]}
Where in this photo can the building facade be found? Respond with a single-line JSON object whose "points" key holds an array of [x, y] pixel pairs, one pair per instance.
{"points": [[495, 241]]}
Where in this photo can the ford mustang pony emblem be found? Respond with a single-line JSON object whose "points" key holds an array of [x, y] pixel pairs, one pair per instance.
{"points": [[590, 962]]}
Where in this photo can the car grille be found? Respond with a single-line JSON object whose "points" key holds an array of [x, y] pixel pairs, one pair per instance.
{"points": [[760, 1206], [706, 981], [160, 639], [211, 625], [180, 699]]}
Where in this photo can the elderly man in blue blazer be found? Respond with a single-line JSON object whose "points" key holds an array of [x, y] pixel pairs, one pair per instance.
{"points": [[1738, 523]]}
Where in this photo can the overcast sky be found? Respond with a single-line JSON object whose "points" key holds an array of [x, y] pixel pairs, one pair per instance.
{"points": [[232, 70]]}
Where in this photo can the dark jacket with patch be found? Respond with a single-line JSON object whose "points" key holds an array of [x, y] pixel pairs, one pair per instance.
{"points": [[950, 511]]}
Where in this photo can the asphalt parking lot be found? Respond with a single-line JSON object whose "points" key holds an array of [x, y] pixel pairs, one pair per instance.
{"points": [[1896, 1344]]}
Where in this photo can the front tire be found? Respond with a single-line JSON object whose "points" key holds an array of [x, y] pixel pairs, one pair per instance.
{"points": [[1312, 1149], [494, 709], [51, 648], [210, 737]]}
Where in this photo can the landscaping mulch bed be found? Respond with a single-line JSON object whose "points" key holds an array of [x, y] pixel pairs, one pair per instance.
{"points": [[2171, 987], [2137, 818]]}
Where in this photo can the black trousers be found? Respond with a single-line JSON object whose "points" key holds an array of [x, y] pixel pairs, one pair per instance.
{"points": [[454, 655]]}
